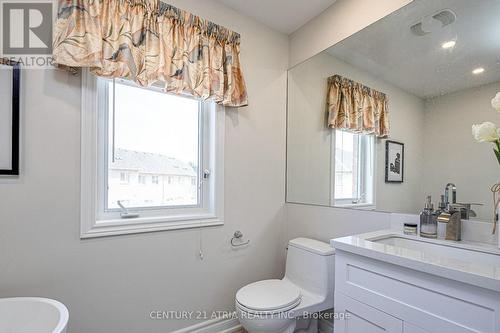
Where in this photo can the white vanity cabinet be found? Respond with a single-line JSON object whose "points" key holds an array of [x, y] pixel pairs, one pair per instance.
{"points": [[364, 318], [380, 296]]}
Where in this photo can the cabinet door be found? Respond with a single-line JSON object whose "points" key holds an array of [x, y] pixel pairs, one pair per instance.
{"points": [[361, 318]]}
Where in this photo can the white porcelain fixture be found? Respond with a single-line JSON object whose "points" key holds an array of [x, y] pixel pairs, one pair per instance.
{"points": [[453, 250], [32, 315], [392, 282], [469, 262], [274, 306]]}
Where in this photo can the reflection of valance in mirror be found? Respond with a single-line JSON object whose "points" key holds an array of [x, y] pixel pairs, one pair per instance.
{"points": [[150, 41], [356, 107]]}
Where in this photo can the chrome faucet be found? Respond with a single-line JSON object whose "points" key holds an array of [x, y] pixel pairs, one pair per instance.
{"points": [[451, 215], [453, 221], [464, 208], [453, 187]]}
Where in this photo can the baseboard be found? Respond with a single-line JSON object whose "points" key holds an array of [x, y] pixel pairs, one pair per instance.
{"points": [[232, 325], [218, 325]]}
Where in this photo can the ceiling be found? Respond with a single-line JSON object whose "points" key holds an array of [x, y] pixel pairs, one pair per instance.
{"points": [[389, 50], [285, 16]]}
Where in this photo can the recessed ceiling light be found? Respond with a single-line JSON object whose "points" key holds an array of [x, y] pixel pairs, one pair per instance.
{"points": [[448, 44], [478, 70]]}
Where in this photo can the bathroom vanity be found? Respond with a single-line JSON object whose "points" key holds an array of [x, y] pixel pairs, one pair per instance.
{"points": [[390, 282]]}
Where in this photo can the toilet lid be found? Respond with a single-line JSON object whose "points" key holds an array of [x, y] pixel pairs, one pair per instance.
{"points": [[268, 295]]}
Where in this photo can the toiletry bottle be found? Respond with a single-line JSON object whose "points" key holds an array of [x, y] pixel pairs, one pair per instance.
{"points": [[428, 220], [441, 226]]}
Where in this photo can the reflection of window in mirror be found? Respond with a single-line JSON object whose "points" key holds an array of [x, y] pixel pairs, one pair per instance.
{"points": [[353, 169]]}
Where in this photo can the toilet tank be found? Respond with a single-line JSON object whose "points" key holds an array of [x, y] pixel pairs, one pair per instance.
{"points": [[310, 266]]}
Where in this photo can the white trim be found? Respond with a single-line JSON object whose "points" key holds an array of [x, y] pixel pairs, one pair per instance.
{"points": [[92, 225], [332, 167], [88, 147], [218, 325], [364, 206]]}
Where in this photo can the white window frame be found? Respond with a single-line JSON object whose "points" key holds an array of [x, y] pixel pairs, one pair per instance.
{"points": [[333, 201], [97, 223]]}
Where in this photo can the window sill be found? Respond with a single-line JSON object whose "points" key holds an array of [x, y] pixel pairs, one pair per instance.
{"points": [[104, 228], [356, 206]]}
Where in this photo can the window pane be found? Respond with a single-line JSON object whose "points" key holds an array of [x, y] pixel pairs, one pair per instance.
{"points": [[153, 148], [354, 160], [346, 148]]}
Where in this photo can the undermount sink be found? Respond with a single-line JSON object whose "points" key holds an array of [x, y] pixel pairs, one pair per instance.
{"points": [[474, 263], [453, 250]]}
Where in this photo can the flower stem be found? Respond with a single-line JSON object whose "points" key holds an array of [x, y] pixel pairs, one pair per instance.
{"points": [[497, 150]]}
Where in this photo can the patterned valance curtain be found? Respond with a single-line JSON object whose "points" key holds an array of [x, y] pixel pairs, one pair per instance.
{"points": [[149, 41], [355, 107]]}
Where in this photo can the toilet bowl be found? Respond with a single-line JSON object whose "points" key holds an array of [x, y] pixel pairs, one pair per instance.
{"points": [[274, 306]]}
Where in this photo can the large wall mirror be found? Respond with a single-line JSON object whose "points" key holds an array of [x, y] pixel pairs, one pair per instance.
{"points": [[435, 66], [9, 117]]}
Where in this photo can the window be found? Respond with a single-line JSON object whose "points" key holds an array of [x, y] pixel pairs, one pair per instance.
{"points": [[353, 181], [146, 141]]}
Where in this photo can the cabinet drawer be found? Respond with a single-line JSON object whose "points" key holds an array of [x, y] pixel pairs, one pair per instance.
{"points": [[363, 318]]}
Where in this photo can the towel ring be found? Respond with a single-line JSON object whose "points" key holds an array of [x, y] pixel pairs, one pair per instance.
{"points": [[238, 235]]}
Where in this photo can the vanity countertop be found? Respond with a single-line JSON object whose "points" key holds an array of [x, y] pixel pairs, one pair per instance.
{"points": [[469, 262]]}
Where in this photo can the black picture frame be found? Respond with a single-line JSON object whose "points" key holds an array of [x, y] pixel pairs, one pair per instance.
{"points": [[394, 170], [16, 87]]}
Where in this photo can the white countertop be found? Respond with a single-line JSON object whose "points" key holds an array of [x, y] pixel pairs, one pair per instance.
{"points": [[481, 274]]}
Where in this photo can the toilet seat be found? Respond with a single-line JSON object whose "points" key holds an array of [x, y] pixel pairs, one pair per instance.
{"points": [[268, 296]]}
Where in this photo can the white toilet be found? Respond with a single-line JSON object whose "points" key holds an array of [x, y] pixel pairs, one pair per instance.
{"points": [[275, 306]]}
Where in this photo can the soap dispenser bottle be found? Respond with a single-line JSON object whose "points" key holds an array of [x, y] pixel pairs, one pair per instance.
{"points": [[441, 226], [428, 220]]}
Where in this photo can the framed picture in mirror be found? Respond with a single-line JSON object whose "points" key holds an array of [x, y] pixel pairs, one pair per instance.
{"points": [[394, 161], [9, 117]]}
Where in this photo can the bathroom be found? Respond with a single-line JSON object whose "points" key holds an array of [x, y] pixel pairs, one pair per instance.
{"points": [[167, 220]]}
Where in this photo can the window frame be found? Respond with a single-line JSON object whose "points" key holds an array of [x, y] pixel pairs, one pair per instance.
{"points": [[95, 222], [335, 202]]}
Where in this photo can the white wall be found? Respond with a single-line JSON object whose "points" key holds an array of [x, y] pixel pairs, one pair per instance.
{"points": [[325, 223], [111, 284], [309, 140], [452, 154], [339, 21]]}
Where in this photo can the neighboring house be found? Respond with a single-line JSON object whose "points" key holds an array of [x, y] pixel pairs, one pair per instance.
{"points": [[141, 179]]}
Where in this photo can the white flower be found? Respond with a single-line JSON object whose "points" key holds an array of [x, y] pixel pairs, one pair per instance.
{"points": [[486, 132], [495, 102]]}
